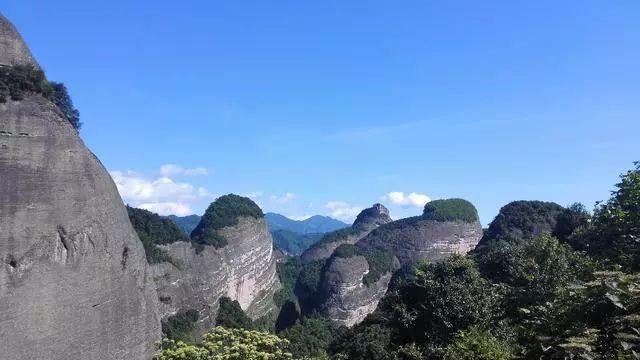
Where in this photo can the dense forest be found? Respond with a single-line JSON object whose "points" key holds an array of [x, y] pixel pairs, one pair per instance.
{"points": [[546, 282]]}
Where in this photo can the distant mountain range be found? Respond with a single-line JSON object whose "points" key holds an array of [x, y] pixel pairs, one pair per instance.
{"points": [[292, 237], [313, 225], [186, 223]]}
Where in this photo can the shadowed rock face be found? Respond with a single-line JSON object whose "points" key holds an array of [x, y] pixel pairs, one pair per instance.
{"points": [[243, 270], [367, 220], [13, 50], [73, 274], [347, 299], [414, 239]]}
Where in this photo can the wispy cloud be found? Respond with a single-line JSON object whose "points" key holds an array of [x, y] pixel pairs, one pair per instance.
{"points": [[174, 169], [342, 210], [409, 200]]}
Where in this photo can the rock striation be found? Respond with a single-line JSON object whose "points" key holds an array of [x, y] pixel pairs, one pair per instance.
{"points": [[415, 238], [365, 222], [446, 227], [74, 282], [347, 300], [244, 269]]}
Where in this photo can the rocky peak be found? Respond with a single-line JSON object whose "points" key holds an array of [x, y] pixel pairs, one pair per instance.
{"points": [[372, 217], [13, 50]]}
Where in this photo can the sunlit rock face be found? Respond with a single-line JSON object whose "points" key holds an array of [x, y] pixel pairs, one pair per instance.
{"points": [[347, 300], [74, 282], [243, 270], [415, 238], [13, 50], [367, 220]]}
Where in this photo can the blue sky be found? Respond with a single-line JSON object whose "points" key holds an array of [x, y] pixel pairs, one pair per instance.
{"points": [[326, 107]]}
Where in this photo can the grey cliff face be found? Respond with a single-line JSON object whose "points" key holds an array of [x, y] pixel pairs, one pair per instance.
{"points": [[347, 299], [368, 220], [74, 281], [414, 239], [13, 50], [244, 270]]}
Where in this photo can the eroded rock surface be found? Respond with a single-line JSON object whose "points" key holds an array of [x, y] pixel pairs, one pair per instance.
{"points": [[347, 299], [13, 50], [415, 238], [367, 220], [243, 270], [74, 281]]}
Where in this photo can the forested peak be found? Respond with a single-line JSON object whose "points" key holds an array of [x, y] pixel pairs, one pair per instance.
{"points": [[450, 210]]}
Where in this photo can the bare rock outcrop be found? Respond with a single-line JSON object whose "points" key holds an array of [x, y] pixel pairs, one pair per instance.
{"points": [[348, 299], [367, 220], [243, 269], [74, 282]]}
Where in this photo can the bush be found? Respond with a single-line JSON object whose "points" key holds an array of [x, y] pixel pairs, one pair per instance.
{"points": [[222, 213], [229, 344], [450, 210], [152, 231], [475, 344], [181, 325], [231, 315], [522, 220], [310, 336], [20, 80]]}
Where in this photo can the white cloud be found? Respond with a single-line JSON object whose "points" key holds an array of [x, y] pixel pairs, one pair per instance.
{"points": [[300, 217], [168, 208], [343, 211], [412, 199], [162, 194], [174, 169], [286, 198], [254, 195]]}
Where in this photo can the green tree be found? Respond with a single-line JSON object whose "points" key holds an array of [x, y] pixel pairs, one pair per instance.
{"points": [[310, 336], [476, 344], [228, 344], [231, 315]]}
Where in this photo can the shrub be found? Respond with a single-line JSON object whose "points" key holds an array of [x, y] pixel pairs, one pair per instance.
{"points": [[153, 230], [231, 315], [222, 213], [181, 325], [522, 220], [310, 336], [476, 344], [450, 210], [20, 80], [229, 344]]}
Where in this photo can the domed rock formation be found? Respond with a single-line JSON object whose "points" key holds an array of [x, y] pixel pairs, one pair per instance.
{"points": [[447, 227], [13, 50], [74, 282], [351, 284], [367, 220], [231, 255]]}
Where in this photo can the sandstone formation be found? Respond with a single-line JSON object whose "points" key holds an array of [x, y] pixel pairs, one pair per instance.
{"points": [[367, 220], [244, 270], [416, 238], [13, 50], [347, 299], [74, 282]]}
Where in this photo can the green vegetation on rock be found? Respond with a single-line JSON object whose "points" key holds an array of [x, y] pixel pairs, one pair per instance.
{"points": [[231, 315], [229, 344], [181, 325], [450, 210], [223, 212], [380, 261], [19, 81], [154, 230], [293, 243]]}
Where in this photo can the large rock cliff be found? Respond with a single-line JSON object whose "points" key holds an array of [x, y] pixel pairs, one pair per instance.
{"points": [[74, 282], [347, 295], [243, 269], [367, 220], [430, 236]]}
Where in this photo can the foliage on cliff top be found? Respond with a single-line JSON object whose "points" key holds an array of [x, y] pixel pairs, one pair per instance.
{"points": [[230, 344], [336, 236], [523, 220], [450, 210], [222, 213], [18, 81], [231, 315], [153, 230], [380, 261], [181, 325]]}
